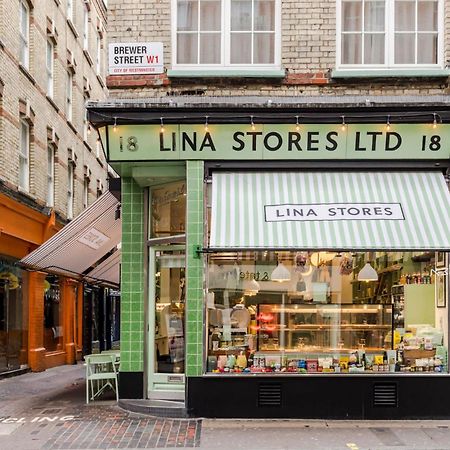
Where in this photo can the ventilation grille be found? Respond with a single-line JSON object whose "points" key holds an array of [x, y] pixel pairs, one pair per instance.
{"points": [[269, 394], [385, 395]]}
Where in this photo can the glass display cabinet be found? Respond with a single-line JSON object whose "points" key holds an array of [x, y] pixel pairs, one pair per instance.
{"points": [[323, 328]]}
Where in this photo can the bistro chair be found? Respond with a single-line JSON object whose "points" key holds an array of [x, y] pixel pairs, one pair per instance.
{"points": [[101, 373]]}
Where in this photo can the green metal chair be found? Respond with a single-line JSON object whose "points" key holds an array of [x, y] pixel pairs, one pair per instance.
{"points": [[101, 373]]}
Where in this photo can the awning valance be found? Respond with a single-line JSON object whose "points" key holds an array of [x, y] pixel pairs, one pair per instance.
{"points": [[330, 210], [86, 248]]}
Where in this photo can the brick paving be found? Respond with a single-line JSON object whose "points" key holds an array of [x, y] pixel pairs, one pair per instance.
{"points": [[47, 411]]}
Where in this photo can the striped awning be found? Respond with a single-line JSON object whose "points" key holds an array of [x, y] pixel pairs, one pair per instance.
{"points": [[86, 248], [330, 210]]}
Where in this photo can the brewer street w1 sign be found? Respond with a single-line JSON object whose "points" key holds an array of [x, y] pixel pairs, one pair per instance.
{"points": [[136, 58]]}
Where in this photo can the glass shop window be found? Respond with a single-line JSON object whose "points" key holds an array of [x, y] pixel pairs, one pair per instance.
{"points": [[168, 210], [53, 325], [329, 312]]}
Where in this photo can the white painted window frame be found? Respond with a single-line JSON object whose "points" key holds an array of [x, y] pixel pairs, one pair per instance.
{"points": [[69, 10], [24, 39], [225, 64], [85, 192], [24, 155], [50, 176], [50, 68], [86, 28], [69, 96], [389, 47], [98, 61], [70, 189]]}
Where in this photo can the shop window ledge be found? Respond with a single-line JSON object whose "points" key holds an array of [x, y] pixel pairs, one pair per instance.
{"points": [[218, 73]]}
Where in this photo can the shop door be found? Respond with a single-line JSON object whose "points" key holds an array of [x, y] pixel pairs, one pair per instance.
{"points": [[166, 322], [9, 337]]}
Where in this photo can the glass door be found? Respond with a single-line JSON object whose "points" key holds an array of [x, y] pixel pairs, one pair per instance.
{"points": [[167, 293]]}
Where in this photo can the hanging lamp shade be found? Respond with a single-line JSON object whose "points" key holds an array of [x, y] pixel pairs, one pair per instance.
{"points": [[280, 273], [251, 285], [367, 273]]}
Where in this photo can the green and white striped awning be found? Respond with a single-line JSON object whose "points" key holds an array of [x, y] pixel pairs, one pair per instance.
{"points": [[330, 210]]}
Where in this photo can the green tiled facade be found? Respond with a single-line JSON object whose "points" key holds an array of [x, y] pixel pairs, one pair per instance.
{"points": [[132, 278], [194, 269]]}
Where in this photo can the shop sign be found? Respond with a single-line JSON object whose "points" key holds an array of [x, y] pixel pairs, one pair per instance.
{"points": [[93, 238], [278, 142], [136, 58], [333, 211]]}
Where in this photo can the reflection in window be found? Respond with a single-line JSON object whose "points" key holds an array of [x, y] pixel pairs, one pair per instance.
{"points": [[53, 329], [346, 312], [168, 210]]}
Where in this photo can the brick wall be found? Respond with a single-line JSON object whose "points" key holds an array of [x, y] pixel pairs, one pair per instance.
{"points": [[31, 86], [308, 54]]}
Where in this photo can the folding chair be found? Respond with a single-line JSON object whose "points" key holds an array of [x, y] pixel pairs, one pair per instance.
{"points": [[101, 373]]}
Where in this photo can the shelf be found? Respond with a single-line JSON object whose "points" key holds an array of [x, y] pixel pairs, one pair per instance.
{"points": [[351, 327]]}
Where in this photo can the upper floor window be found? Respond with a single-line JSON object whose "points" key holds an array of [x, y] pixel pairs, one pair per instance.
{"points": [[70, 189], [86, 29], [390, 33], [98, 58], [50, 176], [69, 93], [227, 33], [70, 10], [85, 192], [24, 34], [24, 156], [49, 67]]}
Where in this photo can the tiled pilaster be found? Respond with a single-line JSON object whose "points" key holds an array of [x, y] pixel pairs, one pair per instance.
{"points": [[194, 269], [132, 278]]}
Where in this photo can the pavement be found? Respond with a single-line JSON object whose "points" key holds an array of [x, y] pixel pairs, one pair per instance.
{"points": [[47, 410]]}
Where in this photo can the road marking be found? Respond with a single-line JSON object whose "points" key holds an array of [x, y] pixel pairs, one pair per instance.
{"points": [[352, 446]]}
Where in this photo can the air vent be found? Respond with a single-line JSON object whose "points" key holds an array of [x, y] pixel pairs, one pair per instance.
{"points": [[385, 395], [269, 394]]}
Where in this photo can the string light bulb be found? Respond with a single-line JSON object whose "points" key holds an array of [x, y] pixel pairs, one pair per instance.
{"points": [[206, 125], [434, 121], [388, 123], [115, 124], [162, 126], [297, 126], [343, 125], [252, 123]]}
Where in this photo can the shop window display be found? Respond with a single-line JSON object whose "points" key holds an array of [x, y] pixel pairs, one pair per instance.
{"points": [[53, 329], [329, 312]]}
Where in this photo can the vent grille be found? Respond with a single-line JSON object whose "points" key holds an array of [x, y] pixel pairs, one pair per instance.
{"points": [[385, 395], [269, 394]]}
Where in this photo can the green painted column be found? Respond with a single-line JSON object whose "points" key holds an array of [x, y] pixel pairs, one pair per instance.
{"points": [[132, 278], [194, 268]]}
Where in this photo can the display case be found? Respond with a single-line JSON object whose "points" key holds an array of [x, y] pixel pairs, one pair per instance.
{"points": [[323, 328]]}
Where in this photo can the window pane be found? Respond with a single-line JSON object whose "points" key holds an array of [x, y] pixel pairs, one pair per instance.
{"points": [[210, 48], [405, 16], [241, 48], [24, 20], [374, 49], [264, 15], [188, 16], [24, 139], [374, 16], [49, 55], [427, 49], [210, 15], [351, 49], [404, 48], [187, 45], [427, 16], [263, 48], [241, 15], [351, 16]]}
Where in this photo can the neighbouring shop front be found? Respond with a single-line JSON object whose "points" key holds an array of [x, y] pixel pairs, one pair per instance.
{"points": [[272, 268]]}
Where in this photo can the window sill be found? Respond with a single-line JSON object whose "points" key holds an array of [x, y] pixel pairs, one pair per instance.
{"points": [[225, 73], [72, 126], [88, 57], [389, 73], [52, 102], [72, 28], [101, 81], [25, 71]]}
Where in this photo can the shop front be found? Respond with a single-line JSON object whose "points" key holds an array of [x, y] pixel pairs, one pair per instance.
{"points": [[278, 269]]}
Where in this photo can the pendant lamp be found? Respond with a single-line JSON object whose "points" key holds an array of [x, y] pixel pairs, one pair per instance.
{"points": [[280, 273], [251, 286], [367, 273]]}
